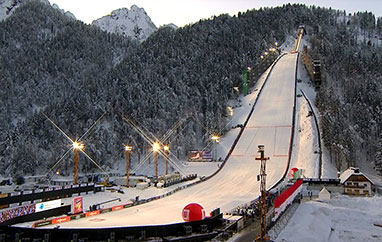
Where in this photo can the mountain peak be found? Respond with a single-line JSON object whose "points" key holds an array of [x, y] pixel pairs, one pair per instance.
{"points": [[134, 23], [67, 13]]}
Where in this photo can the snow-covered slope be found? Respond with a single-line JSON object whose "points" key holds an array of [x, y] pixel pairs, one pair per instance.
{"points": [[340, 219], [7, 7], [134, 23], [270, 124], [67, 13]]}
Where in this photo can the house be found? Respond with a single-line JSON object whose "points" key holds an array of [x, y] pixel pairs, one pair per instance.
{"points": [[355, 182], [324, 194]]}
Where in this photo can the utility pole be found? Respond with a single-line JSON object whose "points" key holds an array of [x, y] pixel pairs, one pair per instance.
{"points": [[128, 150], [263, 236]]}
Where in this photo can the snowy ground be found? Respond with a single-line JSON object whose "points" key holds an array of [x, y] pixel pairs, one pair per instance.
{"points": [[343, 218], [236, 183], [340, 219], [201, 168], [307, 142]]}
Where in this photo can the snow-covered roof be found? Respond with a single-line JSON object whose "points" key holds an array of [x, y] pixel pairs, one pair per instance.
{"points": [[352, 171], [324, 190]]}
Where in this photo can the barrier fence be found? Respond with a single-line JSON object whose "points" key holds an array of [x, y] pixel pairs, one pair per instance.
{"points": [[286, 198], [203, 227], [48, 193]]}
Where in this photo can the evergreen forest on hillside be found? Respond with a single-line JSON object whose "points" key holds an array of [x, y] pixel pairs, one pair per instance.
{"points": [[75, 73]]}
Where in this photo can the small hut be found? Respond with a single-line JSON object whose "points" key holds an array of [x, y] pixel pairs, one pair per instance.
{"points": [[324, 194]]}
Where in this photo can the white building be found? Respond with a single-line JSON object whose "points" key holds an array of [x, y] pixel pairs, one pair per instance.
{"points": [[324, 194], [355, 182]]}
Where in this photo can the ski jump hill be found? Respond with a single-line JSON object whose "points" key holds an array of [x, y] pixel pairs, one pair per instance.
{"points": [[270, 124]]}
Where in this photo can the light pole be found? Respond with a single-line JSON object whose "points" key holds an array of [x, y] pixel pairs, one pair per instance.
{"points": [[77, 147], [156, 148], [166, 149], [216, 140], [128, 150], [263, 207], [277, 45], [245, 80]]}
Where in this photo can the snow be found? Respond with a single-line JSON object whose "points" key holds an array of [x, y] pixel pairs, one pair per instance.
{"points": [[67, 13], [309, 138], [350, 171], [305, 142], [134, 23], [3, 8], [7, 7], [236, 183], [342, 218]]}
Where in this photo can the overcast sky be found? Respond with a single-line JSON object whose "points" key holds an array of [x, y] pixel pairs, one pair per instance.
{"points": [[182, 12]]}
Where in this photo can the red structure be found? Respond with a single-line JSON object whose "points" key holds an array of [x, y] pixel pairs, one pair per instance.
{"points": [[193, 212], [293, 170], [286, 198]]}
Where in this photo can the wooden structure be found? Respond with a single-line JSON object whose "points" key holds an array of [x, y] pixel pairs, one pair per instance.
{"points": [[355, 182], [313, 66]]}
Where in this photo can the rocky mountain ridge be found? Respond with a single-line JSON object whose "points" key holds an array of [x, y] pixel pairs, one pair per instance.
{"points": [[134, 23]]}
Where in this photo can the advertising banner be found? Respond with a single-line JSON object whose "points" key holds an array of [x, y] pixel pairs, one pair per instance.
{"points": [[17, 212], [286, 198], [4, 195], [48, 205], [200, 155], [61, 220], [116, 208], [78, 205], [88, 214]]}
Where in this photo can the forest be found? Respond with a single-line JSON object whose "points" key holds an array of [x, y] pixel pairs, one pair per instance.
{"points": [[75, 73]]}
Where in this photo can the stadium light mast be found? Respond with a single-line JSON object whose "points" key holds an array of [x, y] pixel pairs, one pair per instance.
{"points": [[156, 148], [216, 140], [263, 236], [77, 147], [128, 150], [166, 149]]}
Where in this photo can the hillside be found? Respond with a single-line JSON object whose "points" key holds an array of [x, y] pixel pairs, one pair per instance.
{"points": [[343, 218], [350, 97], [74, 73]]}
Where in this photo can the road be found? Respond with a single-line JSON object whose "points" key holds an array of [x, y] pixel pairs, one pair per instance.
{"points": [[236, 184]]}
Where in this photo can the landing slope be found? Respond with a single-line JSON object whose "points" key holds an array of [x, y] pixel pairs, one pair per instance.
{"points": [[236, 184]]}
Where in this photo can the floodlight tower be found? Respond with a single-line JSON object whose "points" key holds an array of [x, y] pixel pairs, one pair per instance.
{"points": [[156, 148], [77, 147], [216, 140], [263, 202], [166, 149], [128, 150]]}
